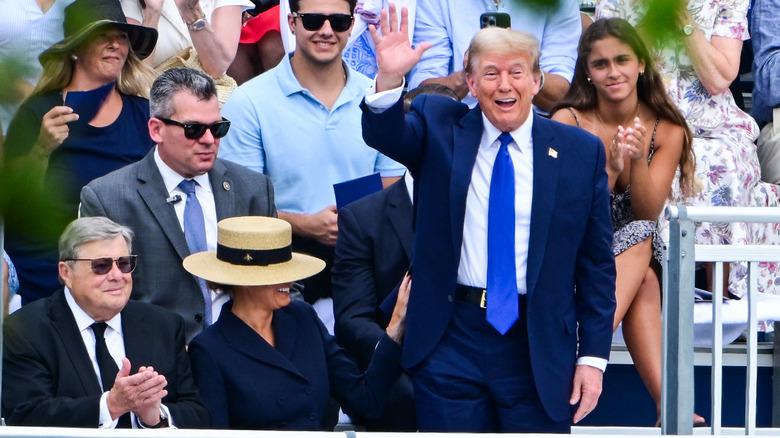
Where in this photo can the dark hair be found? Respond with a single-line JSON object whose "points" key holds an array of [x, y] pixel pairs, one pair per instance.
{"points": [[650, 87], [429, 88], [178, 79], [295, 5]]}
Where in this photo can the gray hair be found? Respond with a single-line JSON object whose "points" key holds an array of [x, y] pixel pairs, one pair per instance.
{"points": [[90, 229], [175, 80]]}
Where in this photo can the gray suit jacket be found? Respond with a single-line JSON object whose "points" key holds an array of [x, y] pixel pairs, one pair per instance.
{"points": [[135, 196]]}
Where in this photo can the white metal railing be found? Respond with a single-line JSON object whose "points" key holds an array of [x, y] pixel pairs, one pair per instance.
{"points": [[682, 255]]}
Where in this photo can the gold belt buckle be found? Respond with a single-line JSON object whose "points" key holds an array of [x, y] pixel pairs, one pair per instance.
{"points": [[483, 300]]}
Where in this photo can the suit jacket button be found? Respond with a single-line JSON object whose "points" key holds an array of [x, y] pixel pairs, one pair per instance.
{"points": [[309, 390], [198, 318], [449, 298], [312, 417], [283, 424], [280, 401]]}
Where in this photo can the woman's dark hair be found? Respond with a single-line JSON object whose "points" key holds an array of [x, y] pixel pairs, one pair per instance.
{"points": [[650, 87]]}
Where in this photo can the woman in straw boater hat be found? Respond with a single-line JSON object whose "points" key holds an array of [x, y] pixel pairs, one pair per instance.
{"points": [[68, 138], [268, 362]]}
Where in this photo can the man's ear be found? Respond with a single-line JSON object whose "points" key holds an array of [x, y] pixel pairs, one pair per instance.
{"points": [[471, 82], [64, 271], [155, 125]]}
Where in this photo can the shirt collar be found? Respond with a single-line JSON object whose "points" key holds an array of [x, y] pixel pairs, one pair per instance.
{"points": [[83, 321], [289, 84], [171, 179], [521, 135]]}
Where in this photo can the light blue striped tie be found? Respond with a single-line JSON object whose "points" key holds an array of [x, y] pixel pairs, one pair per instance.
{"points": [[195, 233]]}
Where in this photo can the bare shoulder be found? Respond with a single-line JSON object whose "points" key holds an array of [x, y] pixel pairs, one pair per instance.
{"points": [[669, 135], [565, 116]]}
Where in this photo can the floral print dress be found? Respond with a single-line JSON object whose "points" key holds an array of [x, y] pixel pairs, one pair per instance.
{"points": [[727, 168]]}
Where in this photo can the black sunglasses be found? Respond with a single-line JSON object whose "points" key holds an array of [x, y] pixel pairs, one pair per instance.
{"points": [[194, 131], [102, 265], [312, 22]]}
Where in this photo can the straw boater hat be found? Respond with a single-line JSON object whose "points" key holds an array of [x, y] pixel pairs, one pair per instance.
{"points": [[85, 17], [253, 251]]}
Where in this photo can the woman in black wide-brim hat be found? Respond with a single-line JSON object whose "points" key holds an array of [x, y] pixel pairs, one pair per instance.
{"points": [[71, 138], [268, 362]]}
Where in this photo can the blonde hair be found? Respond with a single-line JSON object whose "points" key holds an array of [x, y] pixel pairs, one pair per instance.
{"points": [[135, 79], [500, 41]]}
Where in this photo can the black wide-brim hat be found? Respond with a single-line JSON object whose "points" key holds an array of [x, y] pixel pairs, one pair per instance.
{"points": [[85, 17]]}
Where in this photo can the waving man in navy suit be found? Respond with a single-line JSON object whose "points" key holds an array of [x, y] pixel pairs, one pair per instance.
{"points": [[509, 323]]}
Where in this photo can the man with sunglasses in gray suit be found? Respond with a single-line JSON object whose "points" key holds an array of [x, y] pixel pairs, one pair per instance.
{"points": [[174, 197], [299, 123]]}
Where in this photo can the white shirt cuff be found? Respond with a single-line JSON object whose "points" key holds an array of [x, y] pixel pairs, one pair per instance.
{"points": [[595, 362], [378, 102], [105, 416]]}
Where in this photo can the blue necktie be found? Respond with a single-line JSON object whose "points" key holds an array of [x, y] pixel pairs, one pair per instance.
{"points": [[502, 311], [195, 233]]}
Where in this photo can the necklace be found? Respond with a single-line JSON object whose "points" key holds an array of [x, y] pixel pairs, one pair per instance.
{"points": [[603, 125]]}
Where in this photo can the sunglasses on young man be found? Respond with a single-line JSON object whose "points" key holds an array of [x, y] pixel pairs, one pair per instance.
{"points": [[102, 265], [194, 131], [312, 22]]}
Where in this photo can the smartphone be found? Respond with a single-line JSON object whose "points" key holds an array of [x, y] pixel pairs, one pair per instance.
{"points": [[495, 19]]}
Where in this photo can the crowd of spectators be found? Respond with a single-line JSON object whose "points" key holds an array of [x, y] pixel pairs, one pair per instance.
{"points": [[157, 154]]}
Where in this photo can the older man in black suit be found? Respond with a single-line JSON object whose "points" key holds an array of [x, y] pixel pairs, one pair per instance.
{"points": [[175, 196], [86, 357]]}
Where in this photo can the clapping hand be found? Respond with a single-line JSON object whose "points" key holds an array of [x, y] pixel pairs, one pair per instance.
{"points": [[394, 53]]}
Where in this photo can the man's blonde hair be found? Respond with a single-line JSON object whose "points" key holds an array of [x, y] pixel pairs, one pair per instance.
{"points": [[500, 41]]}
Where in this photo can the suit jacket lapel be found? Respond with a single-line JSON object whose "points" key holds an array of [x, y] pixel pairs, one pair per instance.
{"points": [[466, 138], [545, 186], [222, 188], [243, 339], [139, 342], [400, 214], [153, 193], [64, 325]]}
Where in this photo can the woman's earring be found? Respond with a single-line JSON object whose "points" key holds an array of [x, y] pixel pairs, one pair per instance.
{"points": [[590, 81], [74, 57], [641, 72]]}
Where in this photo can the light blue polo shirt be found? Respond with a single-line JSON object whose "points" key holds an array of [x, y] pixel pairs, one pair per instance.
{"points": [[280, 129]]}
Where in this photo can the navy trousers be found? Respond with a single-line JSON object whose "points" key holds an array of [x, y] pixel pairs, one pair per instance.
{"points": [[477, 380]]}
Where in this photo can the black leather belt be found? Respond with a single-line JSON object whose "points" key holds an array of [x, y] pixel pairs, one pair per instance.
{"points": [[473, 295], [476, 296]]}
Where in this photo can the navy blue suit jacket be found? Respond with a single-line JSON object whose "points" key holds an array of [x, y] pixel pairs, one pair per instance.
{"points": [[372, 256], [249, 384], [570, 244]]}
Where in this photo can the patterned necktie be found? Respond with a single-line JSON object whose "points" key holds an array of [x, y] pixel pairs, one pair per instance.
{"points": [[502, 310], [106, 364], [195, 233]]}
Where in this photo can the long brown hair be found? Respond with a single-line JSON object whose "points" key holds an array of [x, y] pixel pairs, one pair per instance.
{"points": [[650, 87]]}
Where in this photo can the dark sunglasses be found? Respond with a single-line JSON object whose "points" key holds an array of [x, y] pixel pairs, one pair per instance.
{"points": [[194, 131], [102, 265], [312, 22]]}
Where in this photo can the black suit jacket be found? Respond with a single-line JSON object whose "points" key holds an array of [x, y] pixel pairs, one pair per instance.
{"points": [[135, 196], [49, 380], [372, 255]]}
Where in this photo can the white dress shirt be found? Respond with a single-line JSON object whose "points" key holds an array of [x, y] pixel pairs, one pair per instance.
{"points": [[116, 347]]}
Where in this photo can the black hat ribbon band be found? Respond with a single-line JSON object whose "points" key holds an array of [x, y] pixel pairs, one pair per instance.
{"points": [[254, 257]]}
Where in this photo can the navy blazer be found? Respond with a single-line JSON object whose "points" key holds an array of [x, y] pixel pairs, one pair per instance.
{"points": [[249, 384], [372, 256], [49, 380], [570, 243], [135, 196]]}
